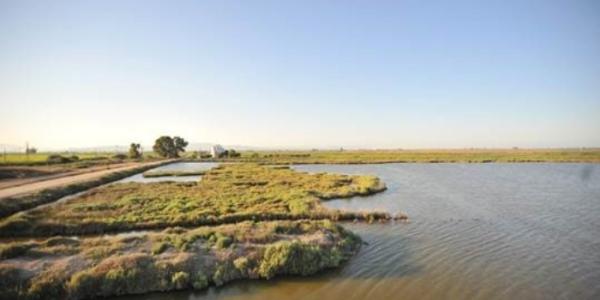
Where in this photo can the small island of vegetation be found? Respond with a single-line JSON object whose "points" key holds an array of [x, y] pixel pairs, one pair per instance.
{"points": [[227, 194], [174, 259]]}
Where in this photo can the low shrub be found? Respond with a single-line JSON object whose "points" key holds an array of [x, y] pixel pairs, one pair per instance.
{"points": [[241, 264], [159, 248], [223, 241], [297, 258], [200, 280], [127, 274], [180, 280], [225, 272]]}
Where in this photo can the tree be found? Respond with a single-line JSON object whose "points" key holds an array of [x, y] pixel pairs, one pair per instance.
{"points": [[135, 151], [233, 153], [164, 146], [180, 144], [167, 146]]}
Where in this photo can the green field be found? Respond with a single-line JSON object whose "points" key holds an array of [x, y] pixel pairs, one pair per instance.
{"points": [[38, 159], [422, 156], [41, 158], [355, 156]]}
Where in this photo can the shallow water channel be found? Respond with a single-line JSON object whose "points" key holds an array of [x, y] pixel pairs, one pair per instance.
{"points": [[180, 166], [477, 231]]}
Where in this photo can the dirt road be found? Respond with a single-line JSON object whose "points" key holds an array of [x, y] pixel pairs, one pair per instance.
{"points": [[51, 172], [68, 179]]}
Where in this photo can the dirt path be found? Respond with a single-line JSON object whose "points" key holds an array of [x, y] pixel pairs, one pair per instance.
{"points": [[68, 179], [56, 172]]}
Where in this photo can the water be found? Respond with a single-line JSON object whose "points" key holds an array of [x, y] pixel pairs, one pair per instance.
{"points": [[181, 166], [477, 231]]}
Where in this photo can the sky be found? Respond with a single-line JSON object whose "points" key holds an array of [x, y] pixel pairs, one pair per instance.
{"points": [[301, 74]]}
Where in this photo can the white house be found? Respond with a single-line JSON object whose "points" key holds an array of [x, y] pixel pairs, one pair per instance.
{"points": [[216, 150]]}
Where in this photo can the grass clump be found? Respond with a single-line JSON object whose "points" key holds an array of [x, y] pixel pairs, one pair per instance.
{"points": [[222, 241], [127, 274], [200, 280], [180, 280], [297, 258], [159, 248]]}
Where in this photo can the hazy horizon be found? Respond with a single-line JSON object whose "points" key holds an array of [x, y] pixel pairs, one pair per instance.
{"points": [[205, 146], [305, 74]]}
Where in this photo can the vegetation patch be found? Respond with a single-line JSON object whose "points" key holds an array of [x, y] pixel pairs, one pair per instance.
{"points": [[92, 267], [420, 156], [72, 160], [229, 193]]}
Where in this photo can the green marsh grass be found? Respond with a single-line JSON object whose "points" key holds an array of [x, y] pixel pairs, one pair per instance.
{"points": [[229, 193], [70, 268], [421, 156]]}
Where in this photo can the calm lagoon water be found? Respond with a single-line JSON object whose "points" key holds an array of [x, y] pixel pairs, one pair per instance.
{"points": [[182, 166], [477, 231]]}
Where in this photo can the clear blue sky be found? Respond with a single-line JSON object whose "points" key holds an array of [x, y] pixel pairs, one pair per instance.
{"points": [[409, 74]]}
